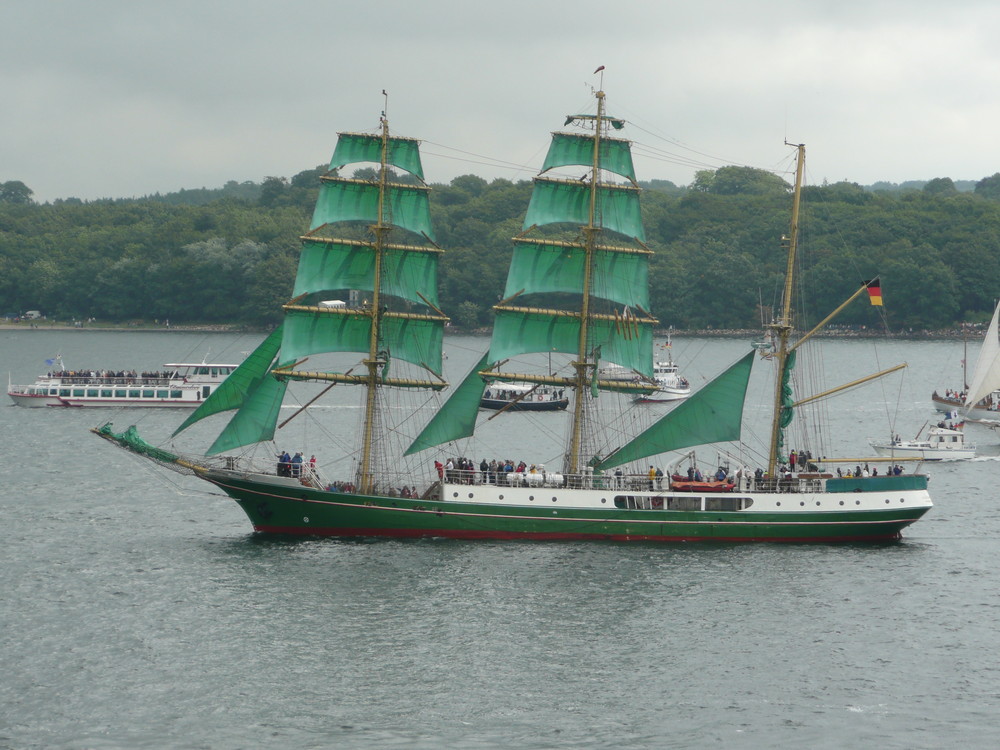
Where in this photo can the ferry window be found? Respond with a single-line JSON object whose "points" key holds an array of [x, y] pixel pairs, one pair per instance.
{"points": [[161, 394], [147, 394], [202, 371], [215, 372], [625, 501], [78, 391], [722, 503], [106, 393], [64, 391], [120, 394], [175, 394], [53, 392], [683, 503], [92, 392], [133, 394]]}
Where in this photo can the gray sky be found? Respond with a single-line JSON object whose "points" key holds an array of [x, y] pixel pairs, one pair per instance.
{"points": [[112, 98]]}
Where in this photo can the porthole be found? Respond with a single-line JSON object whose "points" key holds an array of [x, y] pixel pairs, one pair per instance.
{"points": [[902, 500], [501, 497], [778, 503], [817, 503], [802, 503], [887, 501], [857, 502], [841, 502], [471, 495], [604, 499], [531, 497], [454, 494], [305, 519], [554, 499]]}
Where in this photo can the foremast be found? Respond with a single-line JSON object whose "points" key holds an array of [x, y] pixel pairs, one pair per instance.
{"points": [[389, 271]]}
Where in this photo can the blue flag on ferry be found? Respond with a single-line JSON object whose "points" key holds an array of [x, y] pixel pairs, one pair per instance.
{"points": [[50, 361]]}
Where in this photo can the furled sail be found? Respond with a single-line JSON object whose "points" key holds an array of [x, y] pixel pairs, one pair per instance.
{"points": [[712, 415], [786, 405]]}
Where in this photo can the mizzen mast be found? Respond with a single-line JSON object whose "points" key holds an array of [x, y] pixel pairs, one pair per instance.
{"points": [[782, 327]]}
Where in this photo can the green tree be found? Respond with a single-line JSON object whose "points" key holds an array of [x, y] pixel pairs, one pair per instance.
{"points": [[941, 186], [15, 191], [467, 315], [739, 181], [989, 187]]}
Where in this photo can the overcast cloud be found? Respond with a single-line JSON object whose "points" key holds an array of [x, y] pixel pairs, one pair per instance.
{"points": [[119, 99]]}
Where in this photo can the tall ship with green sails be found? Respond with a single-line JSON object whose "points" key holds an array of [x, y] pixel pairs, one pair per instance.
{"points": [[577, 290]]}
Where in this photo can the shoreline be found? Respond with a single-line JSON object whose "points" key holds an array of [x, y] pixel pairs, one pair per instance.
{"points": [[747, 333]]}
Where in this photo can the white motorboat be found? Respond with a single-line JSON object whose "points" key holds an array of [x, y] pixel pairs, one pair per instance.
{"points": [[943, 443]]}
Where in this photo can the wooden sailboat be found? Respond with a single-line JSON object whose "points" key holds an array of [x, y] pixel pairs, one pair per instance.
{"points": [[598, 273]]}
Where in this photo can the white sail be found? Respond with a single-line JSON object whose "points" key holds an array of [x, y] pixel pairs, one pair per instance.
{"points": [[986, 378]]}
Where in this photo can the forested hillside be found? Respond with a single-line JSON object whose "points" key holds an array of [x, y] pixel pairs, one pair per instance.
{"points": [[229, 255]]}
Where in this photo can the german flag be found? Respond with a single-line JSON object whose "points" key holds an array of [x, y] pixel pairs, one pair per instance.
{"points": [[874, 291]]}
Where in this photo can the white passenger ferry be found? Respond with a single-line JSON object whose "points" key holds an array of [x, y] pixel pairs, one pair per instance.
{"points": [[181, 384]]}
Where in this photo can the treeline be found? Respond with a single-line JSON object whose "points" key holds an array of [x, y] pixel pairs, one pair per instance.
{"points": [[229, 255]]}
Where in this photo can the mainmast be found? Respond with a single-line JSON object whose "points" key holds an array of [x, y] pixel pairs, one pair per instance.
{"points": [[380, 230], [584, 365], [782, 327]]}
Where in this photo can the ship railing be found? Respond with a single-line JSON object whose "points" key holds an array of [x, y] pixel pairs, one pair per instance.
{"points": [[786, 484], [111, 380]]}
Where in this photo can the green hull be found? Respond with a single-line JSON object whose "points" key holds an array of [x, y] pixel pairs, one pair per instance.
{"points": [[308, 512]]}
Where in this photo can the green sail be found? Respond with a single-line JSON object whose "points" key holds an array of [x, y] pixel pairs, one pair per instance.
{"points": [[417, 341], [410, 274], [255, 421], [712, 415], [244, 380], [357, 147], [518, 332], [538, 267], [557, 201], [457, 418], [346, 200], [577, 149], [787, 412]]}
